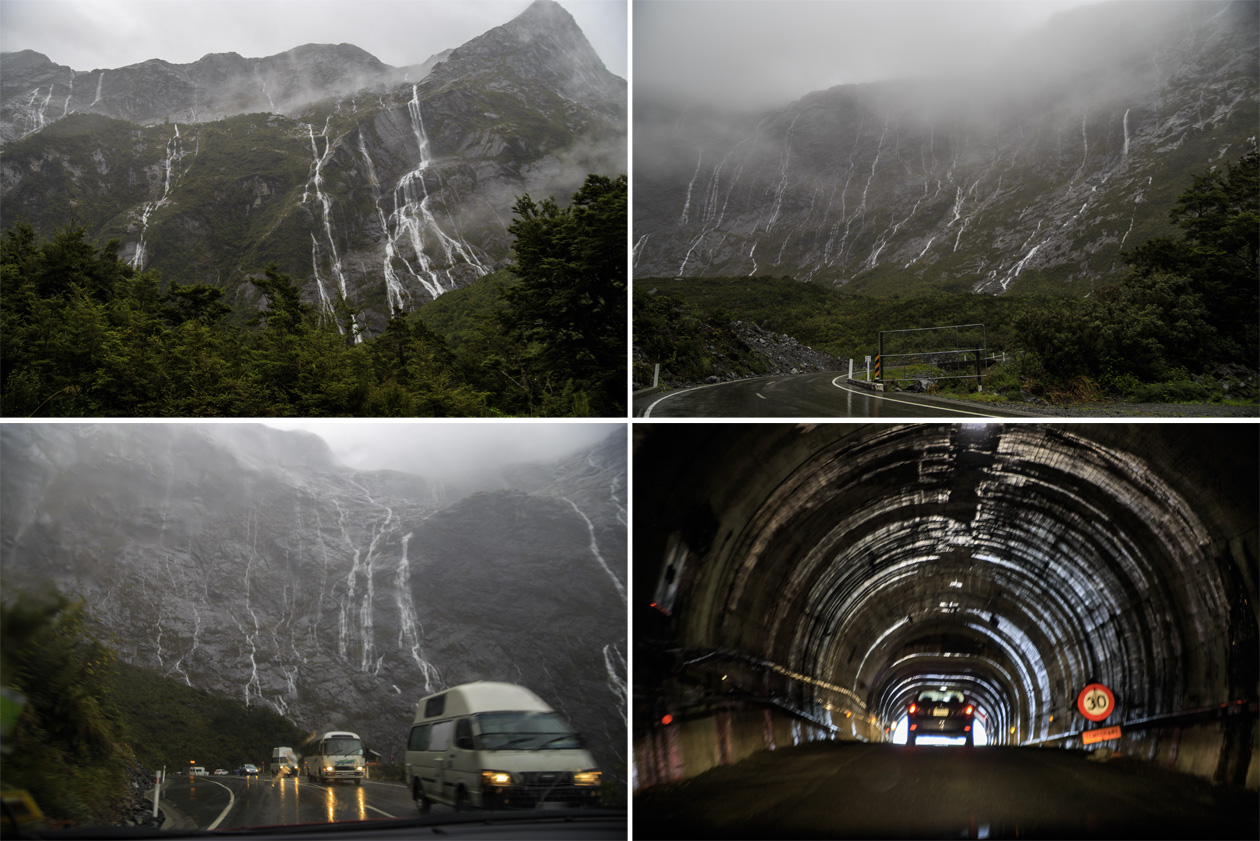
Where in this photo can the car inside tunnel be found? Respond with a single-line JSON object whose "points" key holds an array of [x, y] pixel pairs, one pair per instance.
{"points": [[802, 582]]}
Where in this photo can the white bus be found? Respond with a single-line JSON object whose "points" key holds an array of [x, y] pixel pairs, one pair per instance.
{"points": [[336, 755]]}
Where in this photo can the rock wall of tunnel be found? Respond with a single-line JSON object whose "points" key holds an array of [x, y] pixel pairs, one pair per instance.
{"points": [[826, 573]]}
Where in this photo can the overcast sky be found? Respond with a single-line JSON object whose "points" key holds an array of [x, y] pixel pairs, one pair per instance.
{"points": [[761, 53], [442, 449], [92, 34]]}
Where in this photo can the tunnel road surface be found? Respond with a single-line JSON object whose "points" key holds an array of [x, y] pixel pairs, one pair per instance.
{"points": [[860, 790], [825, 395]]}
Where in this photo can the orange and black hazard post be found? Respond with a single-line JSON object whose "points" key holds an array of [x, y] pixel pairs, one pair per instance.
{"points": [[878, 375]]}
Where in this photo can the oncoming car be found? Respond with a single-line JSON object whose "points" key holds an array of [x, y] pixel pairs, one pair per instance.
{"points": [[941, 712]]}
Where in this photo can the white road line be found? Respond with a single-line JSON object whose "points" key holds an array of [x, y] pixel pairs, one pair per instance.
{"points": [[374, 809], [224, 813], [647, 413], [865, 393]]}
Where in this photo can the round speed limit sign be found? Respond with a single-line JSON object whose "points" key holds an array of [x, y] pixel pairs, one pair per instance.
{"points": [[1096, 702]]}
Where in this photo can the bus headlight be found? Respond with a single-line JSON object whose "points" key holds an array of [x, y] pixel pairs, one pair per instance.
{"points": [[496, 778], [587, 778]]}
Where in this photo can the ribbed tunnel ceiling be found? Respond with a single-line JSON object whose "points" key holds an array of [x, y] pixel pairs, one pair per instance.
{"points": [[849, 566]]}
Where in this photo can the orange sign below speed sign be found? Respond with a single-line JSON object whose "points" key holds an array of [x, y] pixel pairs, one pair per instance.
{"points": [[1096, 702]]}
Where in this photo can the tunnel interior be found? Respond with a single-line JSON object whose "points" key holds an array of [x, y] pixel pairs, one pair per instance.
{"points": [[830, 572]]}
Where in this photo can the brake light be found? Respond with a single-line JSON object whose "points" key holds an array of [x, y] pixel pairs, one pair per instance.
{"points": [[913, 708], [969, 710]]}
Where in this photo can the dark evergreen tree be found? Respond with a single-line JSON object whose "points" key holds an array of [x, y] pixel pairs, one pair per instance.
{"points": [[570, 308]]}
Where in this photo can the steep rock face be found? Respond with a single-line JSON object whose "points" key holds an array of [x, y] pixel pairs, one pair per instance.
{"points": [[1036, 176], [246, 561], [388, 197]]}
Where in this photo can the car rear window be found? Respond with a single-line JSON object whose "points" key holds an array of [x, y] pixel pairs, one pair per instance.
{"points": [[948, 696]]}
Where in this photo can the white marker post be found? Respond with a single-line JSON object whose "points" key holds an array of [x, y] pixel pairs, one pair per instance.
{"points": [[157, 788]]}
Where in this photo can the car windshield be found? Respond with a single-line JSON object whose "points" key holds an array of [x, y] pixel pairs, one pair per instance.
{"points": [[246, 640], [525, 731], [941, 696]]}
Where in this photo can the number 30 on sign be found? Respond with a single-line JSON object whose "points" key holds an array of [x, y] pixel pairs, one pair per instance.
{"points": [[1096, 702]]}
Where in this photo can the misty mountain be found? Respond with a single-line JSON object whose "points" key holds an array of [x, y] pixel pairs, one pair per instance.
{"points": [[388, 186], [1034, 176], [247, 561]]}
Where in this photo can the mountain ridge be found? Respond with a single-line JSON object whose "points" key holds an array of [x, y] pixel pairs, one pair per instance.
{"points": [[387, 196], [1026, 179]]}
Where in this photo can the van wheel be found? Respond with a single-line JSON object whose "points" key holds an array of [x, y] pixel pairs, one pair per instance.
{"points": [[422, 802], [461, 801]]}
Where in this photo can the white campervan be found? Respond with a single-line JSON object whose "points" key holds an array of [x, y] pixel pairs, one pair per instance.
{"points": [[496, 746]]}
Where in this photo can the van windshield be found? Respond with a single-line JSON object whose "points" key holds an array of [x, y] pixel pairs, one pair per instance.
{"points": [[341, 746], [526, 731]]}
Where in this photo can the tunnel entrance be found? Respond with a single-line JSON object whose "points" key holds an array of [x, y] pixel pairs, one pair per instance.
{"points": [[802, 582]]}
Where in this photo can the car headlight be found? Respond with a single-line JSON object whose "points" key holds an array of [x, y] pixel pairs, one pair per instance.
{"points": [[496, 778], [587, 778]]}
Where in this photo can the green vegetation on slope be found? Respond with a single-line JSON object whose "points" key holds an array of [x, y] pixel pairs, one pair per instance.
{"points": [[86, 718], [169, 724], [1187, 307], [86, 335]]}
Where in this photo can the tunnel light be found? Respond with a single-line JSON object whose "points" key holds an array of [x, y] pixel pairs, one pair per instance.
{"points": [[955, 584]]}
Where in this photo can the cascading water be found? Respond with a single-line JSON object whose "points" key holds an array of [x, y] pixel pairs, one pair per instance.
{"points": [[325, 203], [412, 224], [174, 153], [410, 631], [621, 588]]}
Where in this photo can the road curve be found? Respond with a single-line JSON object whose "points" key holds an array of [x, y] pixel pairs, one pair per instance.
{"points": [[225, 802], [824, 394]]}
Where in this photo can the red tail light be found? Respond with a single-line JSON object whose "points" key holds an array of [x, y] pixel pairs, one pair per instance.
{"points": [[969, 710], [913, 708]]}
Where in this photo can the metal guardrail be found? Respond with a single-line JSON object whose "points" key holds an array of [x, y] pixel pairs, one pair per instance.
{"points": [[1238, 707]]}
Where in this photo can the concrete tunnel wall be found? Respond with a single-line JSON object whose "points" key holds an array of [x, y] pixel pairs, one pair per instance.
{"points": [[821, 574]]}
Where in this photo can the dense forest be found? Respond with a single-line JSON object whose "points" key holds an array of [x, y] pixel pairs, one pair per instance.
{"points": [[85, 335], [1187, 309]]}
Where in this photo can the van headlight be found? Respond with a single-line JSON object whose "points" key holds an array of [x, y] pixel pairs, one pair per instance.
{"points": [[587, 778], [496, 778], [328, 769]]}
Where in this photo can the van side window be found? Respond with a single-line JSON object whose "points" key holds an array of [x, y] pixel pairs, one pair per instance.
{"points": [[440, 735], [434, 706], [463, 734], [419, 738]]}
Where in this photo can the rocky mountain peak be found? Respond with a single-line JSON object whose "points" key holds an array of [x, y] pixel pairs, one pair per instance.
{"points": [[542, 43]]}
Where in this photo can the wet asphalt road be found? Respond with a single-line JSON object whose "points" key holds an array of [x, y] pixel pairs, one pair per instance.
{"points": [[799, 395], [856, 790], [226, 802]]}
